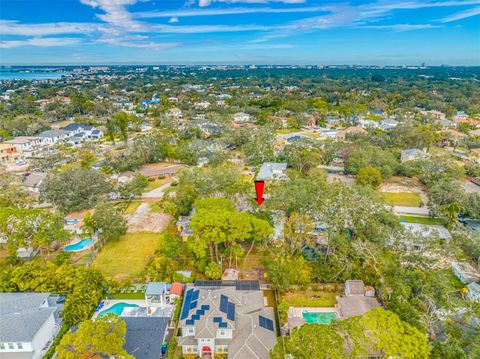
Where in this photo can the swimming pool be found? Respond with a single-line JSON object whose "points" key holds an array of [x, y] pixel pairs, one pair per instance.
{"points": [[116, 309], [319, 317], [84, 243]]}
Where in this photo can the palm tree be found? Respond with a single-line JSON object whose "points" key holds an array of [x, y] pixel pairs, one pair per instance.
{"points": [[452, 210]]}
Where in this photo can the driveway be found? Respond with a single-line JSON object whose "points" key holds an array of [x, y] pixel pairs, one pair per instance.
{"points": [[157, 192], [415, 211]]}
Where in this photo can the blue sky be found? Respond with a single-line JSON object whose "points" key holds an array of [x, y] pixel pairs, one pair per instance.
{"points": [[240, 31]]}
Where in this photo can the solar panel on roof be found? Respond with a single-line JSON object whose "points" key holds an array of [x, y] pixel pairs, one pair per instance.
{"points": [[231, 311], [270, 324], [195, 295], [262, 321], [265, 323], [217, 319], [200, 312], [193, 304], [205, 307], [239, 284], [190, 322], [195, 317], [222, 325], [223, 303], [186, 304]]}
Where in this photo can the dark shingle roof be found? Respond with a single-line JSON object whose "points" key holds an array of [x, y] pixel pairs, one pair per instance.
{"points": [[75, 126], [145, 336]]}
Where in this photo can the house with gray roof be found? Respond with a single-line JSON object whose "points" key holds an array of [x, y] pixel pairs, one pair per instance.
{"points": [[29, 323], [357, 300], [272, 171], [51, 137], [412, 154], [229, 319], [419, 235], [145, 336]]}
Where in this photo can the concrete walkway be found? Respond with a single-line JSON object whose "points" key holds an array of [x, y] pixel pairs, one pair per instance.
{"points": [[157, 192], [414, 211]]}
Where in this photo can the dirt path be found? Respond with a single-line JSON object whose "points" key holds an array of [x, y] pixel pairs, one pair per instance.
{"points": [[144, 220]]}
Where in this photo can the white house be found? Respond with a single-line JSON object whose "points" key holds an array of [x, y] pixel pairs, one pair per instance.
{"points": [[28, 146], [174, 113], [241, 117], [226, 317], [412, 154], [388, 124], [328, 133], [29, 323], [33, 181], [202, 105], [460, 116], [83, 131], [272, 171], [368, 123], [51, 137]]}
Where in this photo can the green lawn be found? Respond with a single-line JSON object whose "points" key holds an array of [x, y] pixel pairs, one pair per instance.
{"points": [[421, 220], [151, 185], [140, 295], [125, 258], [311, 298], [408, 199], [128, 207], [284, 131]]}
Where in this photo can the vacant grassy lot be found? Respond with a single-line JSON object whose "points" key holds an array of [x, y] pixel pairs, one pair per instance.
{"points": [[408, 199], [421, 220], [125, 258], [311, 298]]}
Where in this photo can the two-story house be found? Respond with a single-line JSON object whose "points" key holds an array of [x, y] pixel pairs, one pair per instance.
{"points": [[227, 317], [29, 323], [88, 131], [8, 153], [26, 145], [50, 137]]}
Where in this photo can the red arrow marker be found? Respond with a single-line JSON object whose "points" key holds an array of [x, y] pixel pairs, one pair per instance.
{"points": [[259, 188]]}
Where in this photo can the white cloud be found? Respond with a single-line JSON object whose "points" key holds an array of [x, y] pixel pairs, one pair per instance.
{"points": [[40, 42], [402, 27], [194, 29], [224, 11], [137, 41], [203, 3], [116, 13], [462, 15], [8, 27], [120, 27]]}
